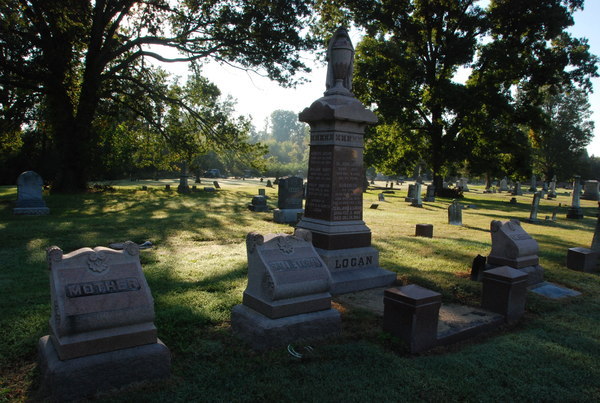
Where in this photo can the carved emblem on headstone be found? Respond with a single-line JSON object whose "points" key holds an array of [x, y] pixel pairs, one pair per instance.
{"points": [[285, 245], [97, 262]]}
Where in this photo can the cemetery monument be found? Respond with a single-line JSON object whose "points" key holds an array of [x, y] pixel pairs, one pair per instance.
{"points": [[334, 204], [289, 202], [575, 211], [29, 195], [102, 332], [590, 190], [288, 294]]}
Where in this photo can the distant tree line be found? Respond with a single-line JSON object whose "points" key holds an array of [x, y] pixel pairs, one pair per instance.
{"points": [[80, 100]]}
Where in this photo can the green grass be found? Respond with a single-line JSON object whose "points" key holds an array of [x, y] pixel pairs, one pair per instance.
{"points": [[197, 272]]}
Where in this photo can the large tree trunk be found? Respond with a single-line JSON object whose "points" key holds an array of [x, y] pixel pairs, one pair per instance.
{"points": [[437, 153]]}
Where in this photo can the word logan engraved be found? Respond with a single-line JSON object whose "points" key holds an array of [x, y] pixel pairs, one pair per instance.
{"points": [[353, 262], [102, 287]]}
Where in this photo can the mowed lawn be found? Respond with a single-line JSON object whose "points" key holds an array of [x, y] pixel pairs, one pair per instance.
{"points": [[197, 271]]}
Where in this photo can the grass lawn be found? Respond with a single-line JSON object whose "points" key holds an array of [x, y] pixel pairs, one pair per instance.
{"points": [[197, 272]]}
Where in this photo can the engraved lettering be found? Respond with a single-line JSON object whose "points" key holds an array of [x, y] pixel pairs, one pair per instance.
{"points": [[102, 287]]}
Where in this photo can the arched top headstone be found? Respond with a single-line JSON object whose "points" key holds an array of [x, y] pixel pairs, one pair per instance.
{"points": [[29, 195]]}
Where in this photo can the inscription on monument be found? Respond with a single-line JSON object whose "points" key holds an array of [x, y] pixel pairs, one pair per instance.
{"points": [[102, 287], [344, 263], [295, 264]]}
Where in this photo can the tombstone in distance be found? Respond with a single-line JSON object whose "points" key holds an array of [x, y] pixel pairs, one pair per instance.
{"points": [[381, 197], [29, 195], [287, 298], [430, 193], [517, 189], [259, 204], [417, 201], [575, 211], [503, 187], [290, 193], [102, 332], [512, 246], [411, 193], [590, 190], [455, 213]]}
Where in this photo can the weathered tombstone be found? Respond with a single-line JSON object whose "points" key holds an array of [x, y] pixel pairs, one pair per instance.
{"points": [[417, 201], [183, 180], [102, 332], [262, 192], [445, 185], [517, 189], [533, 186], [290, 193], [381, 197], [424, 230], [334, 204], [512, 246], [455, 213], [535, 204], [258, 204], [288, 294], [503, 185], [552, 188], [590, 190], [29, 195], [463, 184], [269, 184], [430, 193], [575, 211], [411, 193], [216, 185], [391, 185]]}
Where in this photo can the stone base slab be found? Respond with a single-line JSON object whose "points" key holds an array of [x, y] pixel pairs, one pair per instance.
{"points": [[286, 216], [86, 376], [289, 306], [355, 269], [31, 211], [262, 333]]}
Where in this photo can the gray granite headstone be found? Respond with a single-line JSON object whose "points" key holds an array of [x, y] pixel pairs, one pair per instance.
{"points": [[287, 298], [535, 204], [417, 201], [102, 331], [590, 190], [512, 246], [503, 185], [290, 193], [29, 195], [455, 213], [430, 193], [575, 211]]}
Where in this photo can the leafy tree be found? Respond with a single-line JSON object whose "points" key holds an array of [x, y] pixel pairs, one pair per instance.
{"points": [[285, 126], [565, 132], [76, 54], [412, 50]]}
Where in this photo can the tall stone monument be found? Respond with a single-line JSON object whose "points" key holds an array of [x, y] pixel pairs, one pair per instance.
{"points": [[575, 211], [533, 185], [29, 195], [334, 204], [535, 204], [102, 332]]}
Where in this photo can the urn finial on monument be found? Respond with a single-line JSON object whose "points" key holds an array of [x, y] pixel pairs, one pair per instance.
{"points": [[334, 206]]}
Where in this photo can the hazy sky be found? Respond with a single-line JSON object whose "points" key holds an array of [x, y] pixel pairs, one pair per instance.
{"points": [[257, 96]]}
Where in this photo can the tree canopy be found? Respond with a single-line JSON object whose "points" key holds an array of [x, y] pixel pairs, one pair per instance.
{"points": [[407, 63], [64, 58]]}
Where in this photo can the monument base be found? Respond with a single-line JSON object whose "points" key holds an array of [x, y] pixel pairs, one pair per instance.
{"points": [[288, 306], [355, 269], [575, 213], [85, 376], [31, 211], [287, 216], [262, 333]]}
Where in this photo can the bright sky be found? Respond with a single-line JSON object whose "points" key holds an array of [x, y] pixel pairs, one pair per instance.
{"points": [[257, 96]]}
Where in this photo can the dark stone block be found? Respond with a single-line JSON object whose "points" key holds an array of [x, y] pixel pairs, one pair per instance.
{"points": [[504, 292], [342, 241], [424, 230], [582, 259], [411, 313]]}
